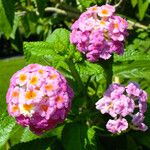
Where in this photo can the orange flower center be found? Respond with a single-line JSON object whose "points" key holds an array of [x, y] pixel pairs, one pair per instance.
{"points": [[15, 108], [27, 107], [105, 12], [116, 25], [59, 99], [44, 107], [37, 88], [30, 95], [15, 94], [53, 76], [49, 87]]}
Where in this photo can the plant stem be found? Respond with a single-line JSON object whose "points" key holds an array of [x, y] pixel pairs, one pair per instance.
{"points": [[137, 24], [63, 12], [118, 4], [108, 70], [108, 1], [75, 74]]}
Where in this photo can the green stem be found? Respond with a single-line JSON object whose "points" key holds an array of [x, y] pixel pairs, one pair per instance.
{"points": [[108, 70], [75, 74], [118, 4], [62, 12]]}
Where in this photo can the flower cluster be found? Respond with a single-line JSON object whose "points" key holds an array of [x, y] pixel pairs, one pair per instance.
{"points": [[99, 32], [119, 102], [39, 97]]}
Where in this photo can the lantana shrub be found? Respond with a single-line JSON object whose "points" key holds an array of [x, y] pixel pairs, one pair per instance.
{"points": [[99, 32], [39, 97]]}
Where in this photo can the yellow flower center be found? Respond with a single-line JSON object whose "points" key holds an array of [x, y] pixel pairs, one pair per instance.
{"points": [[41, 71], [116, 25], [102, 22], [94, 8], [22, 77]]}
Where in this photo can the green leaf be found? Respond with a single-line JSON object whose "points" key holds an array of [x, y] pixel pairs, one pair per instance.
{"points": [[133, 54], [142, 138], [143, 6], [131, 144], [136, 69], [28, 136], [42, 53], [16, 21], [39, 144], [56, 132], [74, 136], [25, 25], [91, 145], [6, 126], [134, 63], [134, 2], [147, 114], [17, 42], [17, 130], [7, 12], [59, 40], [87, 69], [29, 23], [87, 3]]}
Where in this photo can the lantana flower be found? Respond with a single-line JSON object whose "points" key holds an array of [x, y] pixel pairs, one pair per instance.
{"points": [[121, 102], [39, 97], [99, 32]]}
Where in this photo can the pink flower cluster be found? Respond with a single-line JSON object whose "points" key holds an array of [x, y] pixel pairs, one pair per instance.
{"points": [[120, 102], [99, 32], [39, 97]]}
